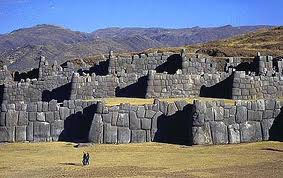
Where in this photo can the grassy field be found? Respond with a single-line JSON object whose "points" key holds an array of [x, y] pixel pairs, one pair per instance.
{"points": [[140, 101], [60, 159]]}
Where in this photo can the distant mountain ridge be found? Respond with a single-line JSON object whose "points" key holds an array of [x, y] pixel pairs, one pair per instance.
{"points": [[20, 48]]}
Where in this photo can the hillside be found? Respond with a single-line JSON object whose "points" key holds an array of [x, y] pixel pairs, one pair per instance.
{"points": [[21, 48], [266, 41]]}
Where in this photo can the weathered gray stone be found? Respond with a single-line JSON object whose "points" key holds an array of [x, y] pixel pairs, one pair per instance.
{"points": [[268, 114], [209, 116], [23, 118], [41, 131], [40, 116], [7, 134], [138, 136], [21, 134], [261, 105], [57, 128], [96, 130], [141, 112], [44, 106], [181, 104], [148, 135], [32, 116], [234, 133], [149, 114], [241, 114], [124, 135], [171, 109], [266, 124], [114, 118], [154, 120], [219, 133], [110, 133], [146, 124], [218, 114], [198, 118], [39, 106], [135, 123], [250, 131], [123, 120], [163, 107], [30, 131], [201, 135], [64, 113], [11, 118], [49, 117], [2, 119], [53, 105], [107, 117], [270, 104], [32, 107]]}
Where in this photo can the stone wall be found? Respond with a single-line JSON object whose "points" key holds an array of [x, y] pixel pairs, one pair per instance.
{"points": [[203, 122], [267, 65], [160, 122], [139, 64], [90, 87], [198, 65], [33, 90], [256, 87], [183, 85], [46, 121], [5, 75], [247, 121]]}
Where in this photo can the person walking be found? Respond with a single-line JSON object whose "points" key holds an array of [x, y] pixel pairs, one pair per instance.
{"points": [[87, 158], [84, 159]]}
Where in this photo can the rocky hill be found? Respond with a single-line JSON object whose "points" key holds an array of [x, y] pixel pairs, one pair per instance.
{"points": [[21, 48]]}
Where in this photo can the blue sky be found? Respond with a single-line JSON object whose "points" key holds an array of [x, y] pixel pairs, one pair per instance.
{"points": [[89, 15]]}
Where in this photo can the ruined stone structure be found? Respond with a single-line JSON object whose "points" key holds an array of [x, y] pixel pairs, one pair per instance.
{"points": [[56, 102]]}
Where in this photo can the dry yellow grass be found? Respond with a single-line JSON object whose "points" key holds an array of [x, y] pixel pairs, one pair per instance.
{"points": [[59, 159], [140, 101]]}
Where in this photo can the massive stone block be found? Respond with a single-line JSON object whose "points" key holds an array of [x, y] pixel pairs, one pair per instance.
{"points": [[219, 133], [123, 120], [138, 136], [7, 134], [172, 109], [107, 117], [124, 135], [141, 112], [21, 134], [30, 131], [241, 114], [250, 131], [57, 128], [96, 130], [49, 117], [234, 133], [266, 124], [146, 124], [2, 119], [110, 133], [11, 118], [23, 118], [41, 131], [201, 135], [135, 123], [64, 113], [40, 116], [218, 114]]}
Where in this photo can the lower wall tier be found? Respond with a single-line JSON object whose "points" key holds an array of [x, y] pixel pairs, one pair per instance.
{"points": [[203, 122]]}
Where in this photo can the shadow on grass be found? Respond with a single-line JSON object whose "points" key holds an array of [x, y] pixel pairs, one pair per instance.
{"points": [[272, 149], [71, 164]]}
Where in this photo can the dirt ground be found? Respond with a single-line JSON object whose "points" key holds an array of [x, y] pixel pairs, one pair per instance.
{"points": [[61, 159]]}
